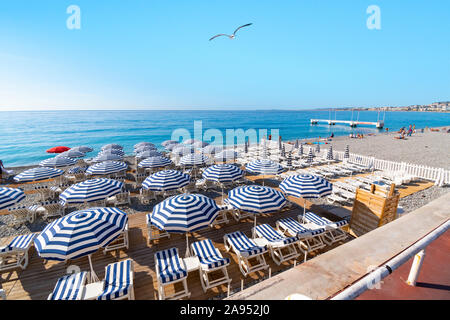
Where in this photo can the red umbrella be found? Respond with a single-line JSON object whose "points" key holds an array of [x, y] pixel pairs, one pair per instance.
{"points": [[59, 149]]}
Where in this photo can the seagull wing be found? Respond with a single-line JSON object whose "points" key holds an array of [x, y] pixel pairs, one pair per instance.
{"points": [[245, 25], [219, 35]]}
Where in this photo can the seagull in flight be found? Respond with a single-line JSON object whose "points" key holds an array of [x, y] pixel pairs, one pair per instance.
{"points": [[234, 33]]}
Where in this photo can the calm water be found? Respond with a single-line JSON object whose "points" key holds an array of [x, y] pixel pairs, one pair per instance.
{"points": [[24, 136]]}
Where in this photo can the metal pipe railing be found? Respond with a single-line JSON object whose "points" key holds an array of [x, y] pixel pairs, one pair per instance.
{"points": [[387, 268]]}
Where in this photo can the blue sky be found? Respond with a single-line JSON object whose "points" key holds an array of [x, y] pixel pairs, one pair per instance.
{"points": [[156, 54]]}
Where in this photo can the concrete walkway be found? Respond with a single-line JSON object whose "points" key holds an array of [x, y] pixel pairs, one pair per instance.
{"points": [[331, 272]]}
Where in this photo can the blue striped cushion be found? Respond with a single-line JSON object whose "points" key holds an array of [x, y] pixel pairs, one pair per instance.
{"points": [[296, 227], [69, 287], [321, 221], [271, 235], [19, 243], [118, 280], [244, 245], [208, 255], [169, 265]]}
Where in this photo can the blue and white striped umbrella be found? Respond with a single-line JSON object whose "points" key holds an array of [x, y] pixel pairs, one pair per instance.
{"points": [[112, 146], [330, 153], [172, 146], [107, 157], [168, 142], [200, 144], [83, 149], [38, 174], [264, 166], [256, 199], [211, 149], [182, 150], [10, 196], [148, 154], [184, 213], [75, 170], [154, 162], [223, 173], [144, 148], [72, 154], [300, 150], [143, 144], [112, 151], [107, 167], [317, 148], [306, 186], [80, 233], [166, 180], [57, 162], [225, 155], [190, 141], [91, 190], [193, 159]]}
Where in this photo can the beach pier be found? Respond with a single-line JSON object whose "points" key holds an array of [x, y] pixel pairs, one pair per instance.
{"points": [[379, 124]]}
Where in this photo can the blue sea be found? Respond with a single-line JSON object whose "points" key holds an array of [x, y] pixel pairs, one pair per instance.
{"points": [[24, 136]]}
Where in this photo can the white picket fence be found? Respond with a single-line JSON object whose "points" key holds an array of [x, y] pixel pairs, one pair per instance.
{"points": [[439, 175]]}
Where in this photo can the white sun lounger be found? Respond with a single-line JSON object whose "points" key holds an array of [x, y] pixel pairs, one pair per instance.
{"points": [[246, 250], [69, 287], [211, 261], [15, 254], [281, 248], [154, 232], [309, 239], [170, 269], [333, 232]]}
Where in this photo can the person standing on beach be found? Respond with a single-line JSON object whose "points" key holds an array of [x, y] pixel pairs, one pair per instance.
{"points": [[1, 170], [409, 131]]}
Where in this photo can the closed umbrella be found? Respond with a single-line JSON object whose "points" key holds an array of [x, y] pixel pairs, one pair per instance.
{"points": [[80, 234], [90, 190], [317, 148], [184, 213], [10, 196], [330, 156], [296, 144], [289, 160], [346, 153], [310, 157], [256, 199], [300, 150], [40, 173]]}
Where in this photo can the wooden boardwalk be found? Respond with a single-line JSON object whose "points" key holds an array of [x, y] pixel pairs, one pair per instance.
{"points": [[38, 280]]}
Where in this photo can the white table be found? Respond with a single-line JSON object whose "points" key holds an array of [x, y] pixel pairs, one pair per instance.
{"points": [[92, 290], [192, 264]]}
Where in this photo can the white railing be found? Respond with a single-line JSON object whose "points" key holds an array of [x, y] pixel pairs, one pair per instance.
{"points": [[438, 175]]}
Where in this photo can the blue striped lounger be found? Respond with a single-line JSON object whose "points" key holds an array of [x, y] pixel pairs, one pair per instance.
{"points": [[118, 281], [170, 269], [277, 242], [210, 260], [69, 287], [15, 254], [246, 249], [333, 233]]}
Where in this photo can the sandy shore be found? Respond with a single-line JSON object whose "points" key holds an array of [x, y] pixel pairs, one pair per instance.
{"points": [[427, 148]]}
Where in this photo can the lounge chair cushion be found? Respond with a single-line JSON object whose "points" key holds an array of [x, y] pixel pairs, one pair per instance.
{"points": [[296, 227], [244, 245], [69, 287], [170, 266], [312, 217], [118, 280], [208, 256], [273, 236], [22, 242]]}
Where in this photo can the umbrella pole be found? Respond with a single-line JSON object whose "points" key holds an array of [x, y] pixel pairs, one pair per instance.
{"points": [[187, 253], [94, 277], [304, 210]]}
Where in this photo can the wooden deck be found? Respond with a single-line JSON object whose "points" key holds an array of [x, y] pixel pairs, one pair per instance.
{"points": [[39, 279]]}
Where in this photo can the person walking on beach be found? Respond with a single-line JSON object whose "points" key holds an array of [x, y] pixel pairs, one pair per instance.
{"points": [[409, 131]]}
